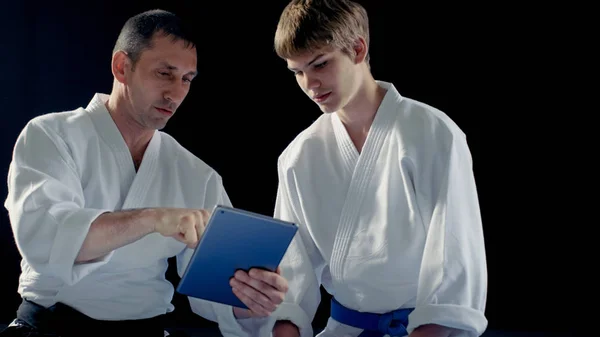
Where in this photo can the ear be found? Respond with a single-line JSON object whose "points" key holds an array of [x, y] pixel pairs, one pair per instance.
{"points": [[120, 62], [360, 50]]}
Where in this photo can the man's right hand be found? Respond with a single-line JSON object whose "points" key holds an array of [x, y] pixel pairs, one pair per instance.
{"points": [[112, 230], [185, 225]]}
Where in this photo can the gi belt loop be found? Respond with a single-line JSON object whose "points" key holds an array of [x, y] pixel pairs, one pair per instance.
{"points": [[393, 323]]}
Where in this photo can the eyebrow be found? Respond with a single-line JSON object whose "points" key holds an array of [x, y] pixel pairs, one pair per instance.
{"points": [[309, 63], [171, 67]]}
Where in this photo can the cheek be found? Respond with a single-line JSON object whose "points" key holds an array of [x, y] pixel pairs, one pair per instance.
{"points": [[300, 82], [349, 78]]}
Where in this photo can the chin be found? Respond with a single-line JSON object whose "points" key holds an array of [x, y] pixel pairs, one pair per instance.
{"points": [[160, 123], [158, 126], [328, 108]]}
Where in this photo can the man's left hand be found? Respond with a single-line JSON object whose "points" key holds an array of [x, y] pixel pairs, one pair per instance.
{"points": [[260, 290]]}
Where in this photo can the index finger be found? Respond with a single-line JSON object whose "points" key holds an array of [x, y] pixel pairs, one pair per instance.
{"points": [[273, 279], [205, 215]]}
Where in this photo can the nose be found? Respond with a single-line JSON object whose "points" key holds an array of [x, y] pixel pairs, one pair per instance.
{"points": [[176, 92]]}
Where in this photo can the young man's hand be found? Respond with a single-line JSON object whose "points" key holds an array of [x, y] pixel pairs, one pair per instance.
{"points": [[260, 290]]}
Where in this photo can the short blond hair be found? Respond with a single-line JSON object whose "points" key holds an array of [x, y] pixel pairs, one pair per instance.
{"points": [[309, 25]]}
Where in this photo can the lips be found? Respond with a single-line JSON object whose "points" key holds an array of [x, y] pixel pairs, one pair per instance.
{"points": [[164, 111], [321, 97]]}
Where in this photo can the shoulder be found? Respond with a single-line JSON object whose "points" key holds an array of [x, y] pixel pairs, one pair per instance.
{"points": [[185, 159], [415, 121], [427, 119], [428, 136], [310, 140], [56, 125], [423, 129], [200, 184]]}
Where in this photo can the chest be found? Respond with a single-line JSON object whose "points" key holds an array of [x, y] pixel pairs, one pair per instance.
{"points": [[369, 204]]}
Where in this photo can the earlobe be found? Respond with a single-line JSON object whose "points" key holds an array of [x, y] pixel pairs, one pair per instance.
{"points": [[119, 62]]}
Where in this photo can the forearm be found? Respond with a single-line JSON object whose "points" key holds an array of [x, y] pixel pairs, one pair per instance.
{"points": [[114, 230], [432, 330]]}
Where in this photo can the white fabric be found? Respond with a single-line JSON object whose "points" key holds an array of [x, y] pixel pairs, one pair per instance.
{"points": [[70, 167], [396, 226]]}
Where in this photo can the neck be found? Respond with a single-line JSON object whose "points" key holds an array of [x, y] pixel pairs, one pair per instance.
{"points": [[360, 112], [135, 135], [358, 115]]}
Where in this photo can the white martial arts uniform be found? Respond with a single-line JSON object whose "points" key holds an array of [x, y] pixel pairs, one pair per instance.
{"points": [[396, 226], [70, 167]]}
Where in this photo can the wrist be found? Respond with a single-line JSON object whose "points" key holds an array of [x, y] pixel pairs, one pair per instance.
{"points": [[431, 330], [149, 218], [240, 313], [285, 328]]}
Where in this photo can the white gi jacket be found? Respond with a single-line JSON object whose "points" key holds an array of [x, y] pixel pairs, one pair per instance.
{"points": [[66, 170], [396, 226]]}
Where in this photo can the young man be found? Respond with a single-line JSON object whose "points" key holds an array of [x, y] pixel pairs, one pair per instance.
{"points": [[99, 199], [383, 189]]}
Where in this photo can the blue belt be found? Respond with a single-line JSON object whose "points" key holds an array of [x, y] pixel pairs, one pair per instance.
{"points": [[374, 325]]}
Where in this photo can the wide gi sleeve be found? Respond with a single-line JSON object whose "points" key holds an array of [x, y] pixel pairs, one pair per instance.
{"points": [[216, 312], [452, 284], [299, 265], [46, 205]]}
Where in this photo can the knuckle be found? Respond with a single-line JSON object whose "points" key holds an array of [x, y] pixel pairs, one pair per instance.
{"points": [[271, 279], [272, 305], [259, 274], [265, 301], [185, 219], [279, 298]]}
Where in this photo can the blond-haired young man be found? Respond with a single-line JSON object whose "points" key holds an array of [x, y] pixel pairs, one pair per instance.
{"points": [[383, 188]]}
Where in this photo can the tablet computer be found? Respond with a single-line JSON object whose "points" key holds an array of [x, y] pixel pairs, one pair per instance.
{"points": [[234, 239]]}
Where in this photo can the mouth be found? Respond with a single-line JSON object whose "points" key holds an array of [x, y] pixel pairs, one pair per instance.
{"points": [[166, 112], [322, 97]]}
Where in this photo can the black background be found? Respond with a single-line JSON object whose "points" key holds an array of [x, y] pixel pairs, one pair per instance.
{"points": [[478, 65]]}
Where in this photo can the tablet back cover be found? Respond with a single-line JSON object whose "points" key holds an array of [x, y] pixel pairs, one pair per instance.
{"points": [[234, 239]]}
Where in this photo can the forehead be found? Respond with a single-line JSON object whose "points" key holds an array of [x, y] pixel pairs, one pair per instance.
{"points": [[174, 52]]}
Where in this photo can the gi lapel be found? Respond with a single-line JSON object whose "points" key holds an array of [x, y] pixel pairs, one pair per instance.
{"points": [[145, 175], [347, 149], [361, 174], [110, 134], [133, 185]]}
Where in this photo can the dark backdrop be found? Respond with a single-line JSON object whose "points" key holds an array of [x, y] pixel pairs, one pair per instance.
{"points": [[55, 56]]}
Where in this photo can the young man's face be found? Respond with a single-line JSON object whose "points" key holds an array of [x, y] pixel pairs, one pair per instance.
{"points": [[328, 76], [160, 81]]}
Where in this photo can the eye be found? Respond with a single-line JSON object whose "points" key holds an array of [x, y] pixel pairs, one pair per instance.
{"points": [[321, 65], [163, 74]]}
